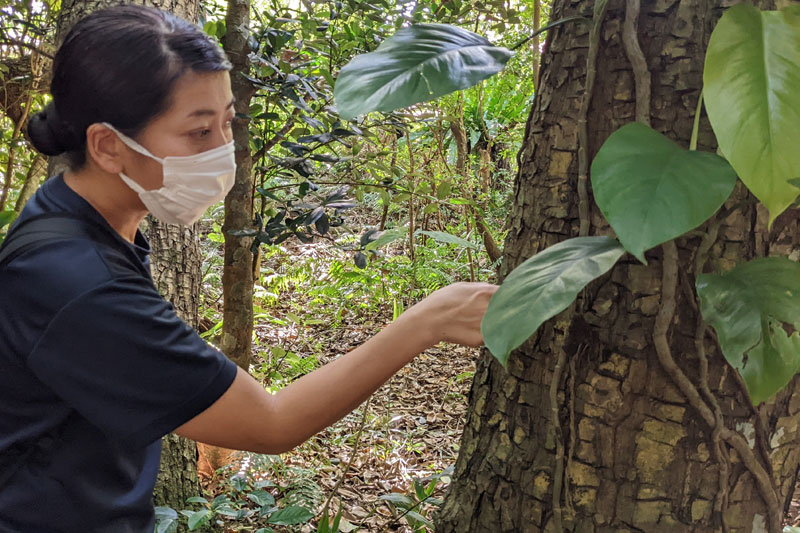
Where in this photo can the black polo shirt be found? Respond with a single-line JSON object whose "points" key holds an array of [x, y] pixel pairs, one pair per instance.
{"points": [[95, 367]]}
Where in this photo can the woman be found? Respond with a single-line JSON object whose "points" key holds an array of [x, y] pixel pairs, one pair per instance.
{"points": [[95, 367]]}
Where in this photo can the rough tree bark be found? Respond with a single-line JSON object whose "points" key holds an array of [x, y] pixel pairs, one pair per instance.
{"points": [[591, 429], [175, 265], [237, 274]]}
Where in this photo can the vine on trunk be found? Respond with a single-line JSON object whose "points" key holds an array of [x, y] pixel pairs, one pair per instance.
{"points": [[584, 221]]}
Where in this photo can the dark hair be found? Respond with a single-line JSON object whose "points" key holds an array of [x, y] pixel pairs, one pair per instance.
{"points": [[118, 65]]}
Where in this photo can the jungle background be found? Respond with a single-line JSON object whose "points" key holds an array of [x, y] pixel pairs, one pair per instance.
{"points": [[335, 226]]}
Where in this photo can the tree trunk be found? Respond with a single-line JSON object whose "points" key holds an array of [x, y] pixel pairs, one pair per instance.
{"points": [[237, 274], [175, 265], [586, 431], [537, 21]]}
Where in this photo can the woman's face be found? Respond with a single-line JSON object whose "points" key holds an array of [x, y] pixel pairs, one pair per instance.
{"points": [[198, 119]]}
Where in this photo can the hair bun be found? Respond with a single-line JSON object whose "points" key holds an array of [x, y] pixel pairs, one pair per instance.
{"points": [[49, 134]]}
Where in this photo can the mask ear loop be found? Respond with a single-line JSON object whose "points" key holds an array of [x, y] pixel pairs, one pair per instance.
{"points": [[133, 145]]}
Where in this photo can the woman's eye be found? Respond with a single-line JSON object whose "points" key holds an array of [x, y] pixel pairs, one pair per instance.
{"points": [[203, 133]]}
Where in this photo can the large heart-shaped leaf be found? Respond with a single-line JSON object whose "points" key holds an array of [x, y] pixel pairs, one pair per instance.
{"points": [[747, 307], [416, 64], [752, 95], [651, 190], [542, 287]]}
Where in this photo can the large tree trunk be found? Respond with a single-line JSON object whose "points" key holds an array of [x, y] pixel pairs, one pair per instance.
{"points": [[586, 406], [175, 264]]}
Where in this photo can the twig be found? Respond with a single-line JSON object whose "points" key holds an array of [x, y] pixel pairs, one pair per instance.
{"points": [[641, 74], [353, 455], [572, 432], [31, 47], [717, 449], [583, 134], [669, 282], [558, 470]]}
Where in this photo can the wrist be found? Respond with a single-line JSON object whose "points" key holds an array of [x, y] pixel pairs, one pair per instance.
{"points": [[420, 325]]}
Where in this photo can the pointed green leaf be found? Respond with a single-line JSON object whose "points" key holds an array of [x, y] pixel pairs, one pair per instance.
{"points": [[772, 364], [289, 516], [747, 307], [542, 287], [398, 499], [199, 518], [752, 95], [449, 239], [651, 190], [416, 64], [385, 238]]}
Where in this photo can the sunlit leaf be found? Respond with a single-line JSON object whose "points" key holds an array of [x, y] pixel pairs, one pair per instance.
{"points": [[752, 95]]}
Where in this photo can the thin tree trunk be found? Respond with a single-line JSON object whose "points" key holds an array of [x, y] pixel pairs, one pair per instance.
{"points": [[590, 428], [12, 150], [537, 22], [237, 276]]}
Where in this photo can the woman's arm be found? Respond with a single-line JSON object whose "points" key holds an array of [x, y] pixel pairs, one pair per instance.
{"points": [[246, 417]]}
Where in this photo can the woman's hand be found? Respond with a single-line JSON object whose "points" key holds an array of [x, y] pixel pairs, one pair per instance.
{"points": [[453, 313]]}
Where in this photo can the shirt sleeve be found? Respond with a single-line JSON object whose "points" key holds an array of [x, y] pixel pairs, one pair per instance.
{"points": [[121, 356]]}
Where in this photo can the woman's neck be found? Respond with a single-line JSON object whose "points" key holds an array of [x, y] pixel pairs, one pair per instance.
{"points": [[115, 201]]}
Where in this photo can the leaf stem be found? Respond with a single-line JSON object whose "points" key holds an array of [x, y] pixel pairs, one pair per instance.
{"points": [[574, 18], [696, 126]]}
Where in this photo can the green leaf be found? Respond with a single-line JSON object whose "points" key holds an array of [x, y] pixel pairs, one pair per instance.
{"points": [[416, 64], [199, 518], [418, 518], [197, 499], [262, 497], [542, 287], [747, 307], [399, 500], [752, 95], [166, 513], [289, 516], [166, 526], [7, 217], [449, 239], [651, 190], [385, 238]]}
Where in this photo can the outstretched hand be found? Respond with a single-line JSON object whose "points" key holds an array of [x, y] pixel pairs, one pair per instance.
{"points": [[454, 313]]}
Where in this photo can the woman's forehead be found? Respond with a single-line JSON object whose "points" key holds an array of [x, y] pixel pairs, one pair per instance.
{"points": [[198, 94]]}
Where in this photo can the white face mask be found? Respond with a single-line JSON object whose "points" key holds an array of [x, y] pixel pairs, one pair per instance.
{"points": [[192, 183]]}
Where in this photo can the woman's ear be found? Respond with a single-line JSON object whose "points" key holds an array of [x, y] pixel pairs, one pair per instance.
{"points": [[105, 148]]}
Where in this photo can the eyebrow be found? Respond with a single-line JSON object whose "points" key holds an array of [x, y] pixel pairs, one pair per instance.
{"points": [[207, 112]]}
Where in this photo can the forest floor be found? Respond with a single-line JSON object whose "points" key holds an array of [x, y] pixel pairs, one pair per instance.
{"points": [[409, 429]]}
